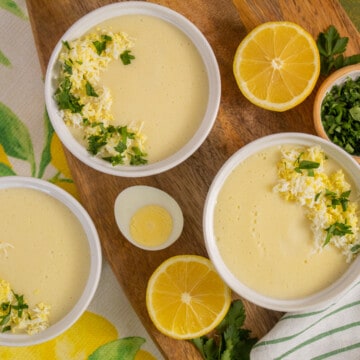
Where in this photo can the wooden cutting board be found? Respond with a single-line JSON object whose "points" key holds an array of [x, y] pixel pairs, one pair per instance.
{"points": [[224, 23]]}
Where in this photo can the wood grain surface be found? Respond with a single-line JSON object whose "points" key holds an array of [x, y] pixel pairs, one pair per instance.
{"points": [[224, 24]]}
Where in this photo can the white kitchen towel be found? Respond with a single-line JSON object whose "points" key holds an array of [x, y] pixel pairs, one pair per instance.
{"points": [[331, 332]]}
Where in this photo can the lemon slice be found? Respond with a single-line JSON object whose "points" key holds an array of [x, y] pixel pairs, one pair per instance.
{"points": [[186, 298], [276, 65]]}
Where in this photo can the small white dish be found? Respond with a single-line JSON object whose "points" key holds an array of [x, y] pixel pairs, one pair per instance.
{"points": [[136, 197]]}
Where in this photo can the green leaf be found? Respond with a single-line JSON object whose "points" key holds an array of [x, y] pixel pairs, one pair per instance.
{"points": [[46, 154], [6, 170], [90, 91], [4, 60], [11, 6], [15, 137], [126, 57], [121, 349]]}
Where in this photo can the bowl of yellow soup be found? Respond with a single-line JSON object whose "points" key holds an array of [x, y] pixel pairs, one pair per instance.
{"points": [[132, 89], [281, 221], [50, 261]]}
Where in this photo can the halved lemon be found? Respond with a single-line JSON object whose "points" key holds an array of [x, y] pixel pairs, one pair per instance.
{"points": [[276, 65], [186, 298]]}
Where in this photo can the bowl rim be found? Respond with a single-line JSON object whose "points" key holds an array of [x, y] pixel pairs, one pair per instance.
{"points": [[205, 51], [162, 197], [338, 77], [95, 254], [328, 294]]}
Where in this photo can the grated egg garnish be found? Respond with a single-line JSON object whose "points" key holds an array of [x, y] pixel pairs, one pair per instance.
{"points": [[4, 246], [302, 177], [86, 105], [17, 317]]}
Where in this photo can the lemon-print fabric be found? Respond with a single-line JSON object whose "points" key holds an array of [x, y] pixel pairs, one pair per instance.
{"points": [[109, 329]]}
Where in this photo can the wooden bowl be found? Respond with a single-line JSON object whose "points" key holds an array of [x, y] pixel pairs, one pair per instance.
{"points": [[336, 78]]}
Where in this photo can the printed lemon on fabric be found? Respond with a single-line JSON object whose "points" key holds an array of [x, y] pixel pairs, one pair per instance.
{"points": [[77, 343], [59, 161], [3, 157], [276, 66]]}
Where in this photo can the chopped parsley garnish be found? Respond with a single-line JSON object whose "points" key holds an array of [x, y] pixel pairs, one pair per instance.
{"points": [[337, 229], [340, 115], [96, 142], [68, 67], [66, 44], [9, 309], [342, 200], [100, 46], [90, 90], [65, 99], [355, 249], [306, 165], [229, 340], [115, 144], [126, 57], [331, 48]]}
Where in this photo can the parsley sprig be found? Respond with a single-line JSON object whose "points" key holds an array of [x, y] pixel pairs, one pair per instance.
{"points": [[331, 48], [9, 309], [337, 229], [229, 340], [97, 141], [307, 165], [65, 98], [341, 200]]}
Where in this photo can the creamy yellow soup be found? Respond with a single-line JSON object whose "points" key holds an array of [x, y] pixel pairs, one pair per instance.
{"points": [[165, 87], [267, 241], [47, 257]]}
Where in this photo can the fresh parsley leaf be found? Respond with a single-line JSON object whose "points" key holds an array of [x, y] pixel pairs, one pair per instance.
{"points": [[66, 44], [100, 46], [68, 67], [355, 249], [229, 340], [306, 165], [342, 200], [331, 47], [65, 99], [337, 229], [95, 142], [137, 157], [126, 57], [90, 90]]}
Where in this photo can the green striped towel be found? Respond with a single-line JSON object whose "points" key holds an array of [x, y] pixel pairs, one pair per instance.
{"points": [[332, 332]]}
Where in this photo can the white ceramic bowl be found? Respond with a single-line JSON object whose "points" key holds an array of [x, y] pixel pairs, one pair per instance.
{"points": [[337, 78], [131, 8], [8, 339], [330, 293]]}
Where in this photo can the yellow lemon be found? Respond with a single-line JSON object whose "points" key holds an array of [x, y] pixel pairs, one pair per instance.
{"points": [[58, 158], [3, 157], [59, 161], [276, 66], [186, 298], [144, 355]]}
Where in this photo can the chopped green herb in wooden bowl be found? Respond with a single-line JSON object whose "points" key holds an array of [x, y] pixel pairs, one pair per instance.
{"points": [[337, 109]]}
